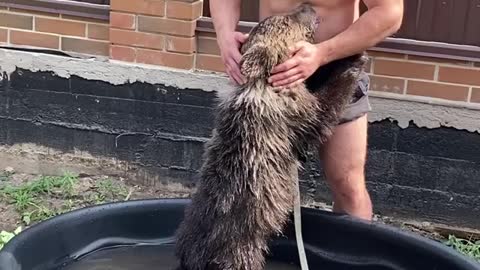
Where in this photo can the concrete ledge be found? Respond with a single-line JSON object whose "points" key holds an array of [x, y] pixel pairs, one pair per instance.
{"points": [[424, 112]]}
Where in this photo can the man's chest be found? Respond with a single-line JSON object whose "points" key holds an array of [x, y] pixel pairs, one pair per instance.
{"points": [[272, 7]]}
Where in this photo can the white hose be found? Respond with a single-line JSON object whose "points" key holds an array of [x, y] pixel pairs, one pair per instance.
{"points": [[297, 217]]}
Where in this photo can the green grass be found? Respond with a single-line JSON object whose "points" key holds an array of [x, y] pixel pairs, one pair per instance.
{"points": [[24, 194], [48, 196], [27, 198], [467, 247], [32, 199]]}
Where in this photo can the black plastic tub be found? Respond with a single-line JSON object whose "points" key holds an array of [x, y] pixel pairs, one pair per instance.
{"points": [[144, 229]]}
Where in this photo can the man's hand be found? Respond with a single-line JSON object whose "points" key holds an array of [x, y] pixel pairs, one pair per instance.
{"points": [[304, 59], [230, 44]]}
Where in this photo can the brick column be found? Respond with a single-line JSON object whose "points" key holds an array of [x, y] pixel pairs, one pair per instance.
{"points": [[156, 32]]}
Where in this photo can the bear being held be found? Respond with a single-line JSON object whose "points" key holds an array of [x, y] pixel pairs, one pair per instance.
{"points": [[247, 185]]}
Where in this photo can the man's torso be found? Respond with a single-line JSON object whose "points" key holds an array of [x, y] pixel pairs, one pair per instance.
{"points": [[335, 15]]}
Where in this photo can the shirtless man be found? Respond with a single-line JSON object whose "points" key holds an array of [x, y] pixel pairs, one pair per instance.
{"points": [[342, 32]]}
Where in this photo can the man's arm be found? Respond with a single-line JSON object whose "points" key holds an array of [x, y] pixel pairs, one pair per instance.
{"points": [[383, 18], [225, 16]]}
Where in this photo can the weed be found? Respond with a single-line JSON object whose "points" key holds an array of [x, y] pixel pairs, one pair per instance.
{"points": [[43, 185], [49, 196], [50, 184], [108, 189], [40, 212], [68, 206], [26, 197], [21, 199], [467, 247]]}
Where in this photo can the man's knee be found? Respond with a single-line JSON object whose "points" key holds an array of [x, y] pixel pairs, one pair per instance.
{"points": [[350, 194], [348, 184]]}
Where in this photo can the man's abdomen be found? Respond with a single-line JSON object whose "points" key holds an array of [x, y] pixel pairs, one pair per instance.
{"points": [[335, 15]]}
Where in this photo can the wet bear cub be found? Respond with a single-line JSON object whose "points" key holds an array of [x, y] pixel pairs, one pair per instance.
{"points": [[247, 185]]}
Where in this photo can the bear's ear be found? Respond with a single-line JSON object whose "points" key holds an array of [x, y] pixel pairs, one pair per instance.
{"points": [[257, 62]]}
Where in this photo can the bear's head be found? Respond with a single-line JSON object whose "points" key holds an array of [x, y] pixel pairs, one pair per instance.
{"points": [[269, 41]]}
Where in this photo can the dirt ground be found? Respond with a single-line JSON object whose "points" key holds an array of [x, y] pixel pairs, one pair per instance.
{"points": [[26, 199]]}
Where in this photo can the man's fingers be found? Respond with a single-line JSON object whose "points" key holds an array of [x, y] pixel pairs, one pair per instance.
{"points": [[282, 76], [239, 77], [236, 75], [236, 57], [235, 79], [289, 64], [295, 83], [296, 47], [241, 37], [233, 70], [289, 81], [230, 73]]}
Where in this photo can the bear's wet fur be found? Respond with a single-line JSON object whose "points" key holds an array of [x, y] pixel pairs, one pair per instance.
{"points": [[247, 185]]}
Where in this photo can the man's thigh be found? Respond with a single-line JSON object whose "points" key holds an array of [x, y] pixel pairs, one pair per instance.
{"points": [[344, 156], [345, 152]]}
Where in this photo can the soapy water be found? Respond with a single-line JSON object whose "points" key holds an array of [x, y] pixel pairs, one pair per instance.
{"points": [[146, 257]]}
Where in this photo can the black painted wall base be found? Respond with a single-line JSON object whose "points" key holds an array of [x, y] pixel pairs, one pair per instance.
{"points": [[432, 175]]}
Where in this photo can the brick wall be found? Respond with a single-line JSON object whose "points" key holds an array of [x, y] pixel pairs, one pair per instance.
{"points": [[398, 74], [154, 32], [163, 33], [27, 28]]}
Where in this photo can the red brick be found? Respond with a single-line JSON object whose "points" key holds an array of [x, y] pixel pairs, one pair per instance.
{"points": [[403, 69], [122, 53], [210, 62], [174, 60], [16, 21], [59, 26], [470, 76], [98, 31], [387, 84], [183, 10], [34, 39], [122, 20], [137, 39], [437, 90], [149, 7], [166, 26], [207, 45], [3, 35], [85, 46], [180, 44], [475, 95]]}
